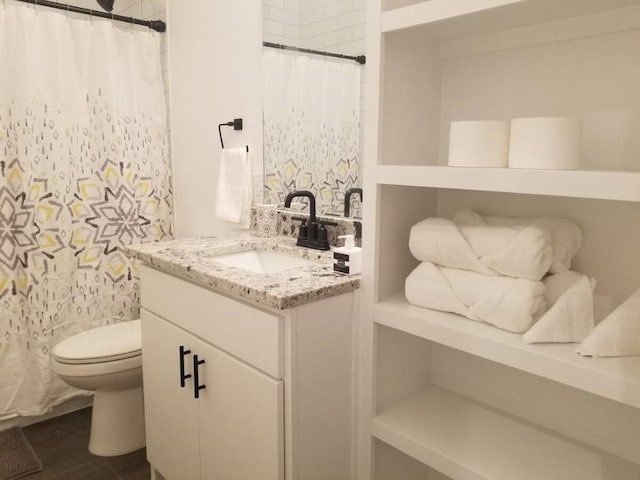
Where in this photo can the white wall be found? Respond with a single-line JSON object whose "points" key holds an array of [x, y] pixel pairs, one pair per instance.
{"points": [[214, 76]]}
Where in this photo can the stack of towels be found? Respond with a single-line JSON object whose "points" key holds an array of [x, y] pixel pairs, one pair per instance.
{"points": [[515, 274]]}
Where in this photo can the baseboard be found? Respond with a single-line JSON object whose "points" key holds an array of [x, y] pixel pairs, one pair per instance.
{"points": [[62, 409]]}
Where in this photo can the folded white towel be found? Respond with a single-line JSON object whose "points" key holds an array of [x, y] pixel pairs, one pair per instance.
{"points": [[515, 251], [509, 303], [570, 318], [566, 236], [618, 335], [234, 191]]}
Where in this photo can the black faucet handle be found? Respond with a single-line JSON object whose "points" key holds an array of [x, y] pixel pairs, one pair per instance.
{"points": [[327, 222], [312, 230], [322, 235], [303, 230]]}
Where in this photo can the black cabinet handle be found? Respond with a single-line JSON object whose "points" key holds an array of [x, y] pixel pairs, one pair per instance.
{"points": [[183, 376], [196, 381]]}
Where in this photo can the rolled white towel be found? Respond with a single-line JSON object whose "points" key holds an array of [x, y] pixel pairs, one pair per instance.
{"points": [[618, 335], [566, 236], [515, 251], [570, 316], [509, 303]]}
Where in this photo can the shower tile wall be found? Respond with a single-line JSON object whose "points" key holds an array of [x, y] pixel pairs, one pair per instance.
{"points": [[336, 25], [281, 21]]}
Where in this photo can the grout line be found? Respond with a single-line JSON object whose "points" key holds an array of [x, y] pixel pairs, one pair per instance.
{"points": [[118, 477]]}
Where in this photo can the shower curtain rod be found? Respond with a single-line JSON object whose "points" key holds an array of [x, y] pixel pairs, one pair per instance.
{"points": [[157, 25], [361, 59]]}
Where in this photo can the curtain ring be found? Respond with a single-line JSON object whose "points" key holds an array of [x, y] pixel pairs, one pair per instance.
{"points": [[67, 12]]}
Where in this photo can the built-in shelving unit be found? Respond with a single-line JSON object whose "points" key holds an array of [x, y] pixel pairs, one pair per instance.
{"points": [[461, 397]]}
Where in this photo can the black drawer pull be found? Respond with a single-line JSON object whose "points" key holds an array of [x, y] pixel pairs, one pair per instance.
{"points": [[183, 376], [196, 380]]}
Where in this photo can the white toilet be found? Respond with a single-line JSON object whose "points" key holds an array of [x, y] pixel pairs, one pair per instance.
{"points": [[107, 360]]}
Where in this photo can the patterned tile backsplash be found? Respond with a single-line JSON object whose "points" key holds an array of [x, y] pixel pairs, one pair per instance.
{"points": [[288, 225]]}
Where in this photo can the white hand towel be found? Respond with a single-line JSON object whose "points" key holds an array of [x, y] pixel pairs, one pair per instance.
{"points": [[515, 251], [570, 318], [618, 335], [566, 236], [234, 192], [509, 303]]}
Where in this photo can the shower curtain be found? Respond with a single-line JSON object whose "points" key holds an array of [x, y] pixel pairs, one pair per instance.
{"points": [[84, 170], [311, 127]]}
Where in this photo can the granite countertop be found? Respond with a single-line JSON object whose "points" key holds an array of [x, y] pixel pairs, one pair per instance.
{"points": [[192, 259]]}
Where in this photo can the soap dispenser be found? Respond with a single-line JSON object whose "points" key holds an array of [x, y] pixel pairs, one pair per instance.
{"points": [[348, 259]]}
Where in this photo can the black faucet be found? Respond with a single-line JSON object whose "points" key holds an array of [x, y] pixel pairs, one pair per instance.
{"points": [[311, 234], [347, 199]]}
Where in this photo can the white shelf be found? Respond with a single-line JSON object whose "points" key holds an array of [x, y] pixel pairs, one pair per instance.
{"points": [[433, 11], [614, 378], [447, 19], [605, 185], [468, 441]]}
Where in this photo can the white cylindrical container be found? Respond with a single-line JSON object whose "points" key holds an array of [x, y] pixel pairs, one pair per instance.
{"points": [[267, 220], [479, 144], [545, 143]]}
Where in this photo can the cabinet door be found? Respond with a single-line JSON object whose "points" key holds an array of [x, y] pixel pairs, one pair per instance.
{"points": [[241, 420], [171, 413]]}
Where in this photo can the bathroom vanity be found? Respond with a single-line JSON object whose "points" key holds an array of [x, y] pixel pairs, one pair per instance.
{"points": [[248, 362]]}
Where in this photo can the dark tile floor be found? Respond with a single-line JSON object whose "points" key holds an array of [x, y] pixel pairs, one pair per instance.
{"points": [[61, 443]]}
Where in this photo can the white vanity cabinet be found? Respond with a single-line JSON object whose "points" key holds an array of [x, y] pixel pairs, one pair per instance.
{"points": [[451, 398], [238, 392], [233, 429]]}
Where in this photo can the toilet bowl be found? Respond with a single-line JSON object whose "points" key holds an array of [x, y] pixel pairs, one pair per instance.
{"points": [[108, 361]]}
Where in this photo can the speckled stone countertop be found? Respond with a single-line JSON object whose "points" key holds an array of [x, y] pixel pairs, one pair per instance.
{"points": [[192, 259]]}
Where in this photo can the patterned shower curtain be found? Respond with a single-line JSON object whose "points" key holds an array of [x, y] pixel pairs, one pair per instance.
{"points": [[311, 127], [84, 170]]}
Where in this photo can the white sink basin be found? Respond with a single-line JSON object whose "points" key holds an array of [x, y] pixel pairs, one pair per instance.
{"points": [[261, 261]]}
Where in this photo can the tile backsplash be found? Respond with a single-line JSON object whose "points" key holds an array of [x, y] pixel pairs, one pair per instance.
{"points": [[288, 226]]}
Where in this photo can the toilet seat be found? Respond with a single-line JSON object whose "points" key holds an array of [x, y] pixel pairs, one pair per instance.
{"points": [[96, 368], [109, 343]]}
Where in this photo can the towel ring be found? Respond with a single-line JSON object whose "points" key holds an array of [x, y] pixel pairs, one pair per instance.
{"points": [[236, 123]]}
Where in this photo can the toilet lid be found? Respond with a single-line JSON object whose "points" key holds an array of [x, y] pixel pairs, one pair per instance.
{"points": [[102, 344]]}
